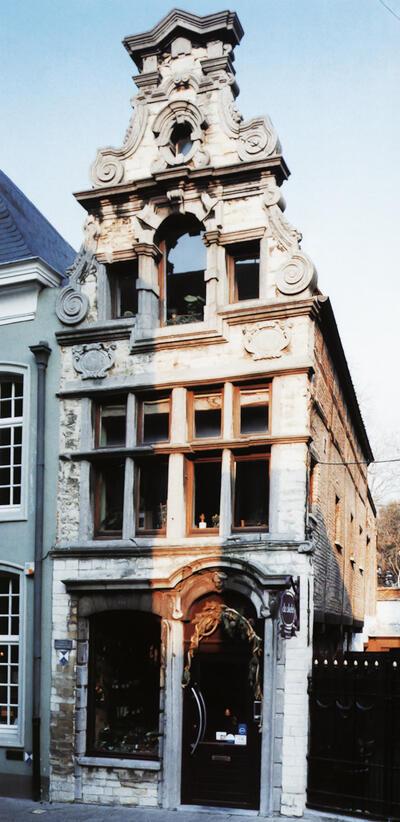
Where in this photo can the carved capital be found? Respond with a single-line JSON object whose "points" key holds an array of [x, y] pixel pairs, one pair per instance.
{"points": [[93, 360]]}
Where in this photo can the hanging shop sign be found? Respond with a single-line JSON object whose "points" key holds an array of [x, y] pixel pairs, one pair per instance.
{"points": [[289, 614]]}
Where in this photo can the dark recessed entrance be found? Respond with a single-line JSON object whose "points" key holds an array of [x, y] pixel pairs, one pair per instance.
{"points": [[221, 736]]}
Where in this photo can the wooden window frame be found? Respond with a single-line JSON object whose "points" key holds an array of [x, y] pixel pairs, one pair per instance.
{"points": [[117, 400], [114, 289], [191, 394], [191, 530], [253, 457], [141, 400], [96, 469], [233, 251], [144, 532], [237, 406]]}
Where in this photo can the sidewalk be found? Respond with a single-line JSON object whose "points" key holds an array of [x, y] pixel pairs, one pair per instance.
{"points": [[12, 810]]}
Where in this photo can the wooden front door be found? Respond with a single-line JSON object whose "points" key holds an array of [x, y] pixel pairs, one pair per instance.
{"points": [[221, 731]]}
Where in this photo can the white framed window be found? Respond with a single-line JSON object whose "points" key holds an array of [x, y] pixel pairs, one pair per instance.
{"points": [[11, 598], [13, 424]]}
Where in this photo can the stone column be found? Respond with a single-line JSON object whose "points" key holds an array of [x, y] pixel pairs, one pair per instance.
{"points": [[148, 288], [173, 717], [211, 276], [225, 522], [86, 444]]}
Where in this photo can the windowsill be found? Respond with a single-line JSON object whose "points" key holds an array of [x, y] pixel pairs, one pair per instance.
{"points": [[250, 529], [10, 739], [199, 532], [12, 515], [114, 762]]}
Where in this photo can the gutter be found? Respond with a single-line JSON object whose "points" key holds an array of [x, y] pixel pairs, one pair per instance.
{"points": [[41, 352]]}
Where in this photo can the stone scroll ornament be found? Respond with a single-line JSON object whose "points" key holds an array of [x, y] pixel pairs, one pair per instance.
{"points": [[72, 305], [297, 275], [108, 167], [93, 360], [267, 340], [234, 624]]}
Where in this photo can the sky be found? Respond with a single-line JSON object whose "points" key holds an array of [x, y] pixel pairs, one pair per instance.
{"points": [[328, 74]]}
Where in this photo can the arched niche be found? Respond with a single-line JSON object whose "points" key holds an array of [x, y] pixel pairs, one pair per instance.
{"points": [[181, 269]]}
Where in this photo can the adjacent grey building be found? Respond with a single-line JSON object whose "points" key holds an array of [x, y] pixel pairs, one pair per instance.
{"points": [[33, 262]]}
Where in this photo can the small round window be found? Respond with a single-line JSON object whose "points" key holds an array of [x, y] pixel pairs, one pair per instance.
{"points": [[181, 139]]}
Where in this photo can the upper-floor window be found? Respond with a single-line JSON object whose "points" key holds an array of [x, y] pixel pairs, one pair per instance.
{"points": [[243, 263], [9, 653], [11, 430], [110, 423], [251, 413], [154, 420], [181, 268], [181, 139], [205, 416], [122, 280], [251, 492], [108, 493]]}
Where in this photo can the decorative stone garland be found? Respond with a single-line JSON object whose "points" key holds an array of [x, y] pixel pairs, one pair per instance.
{"points": [[206, 623]]}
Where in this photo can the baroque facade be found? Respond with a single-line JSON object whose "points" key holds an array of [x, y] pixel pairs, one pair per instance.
{"points": [[204, 392]]}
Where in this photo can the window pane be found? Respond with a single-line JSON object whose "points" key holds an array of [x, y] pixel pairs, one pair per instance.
{"points": [[124, 684], [207, 491], [246, 272], [18, 408], [5, 388], [5, 496], [5, 436], [186, 288], [4, 626], [111, 498], [5, 476], [254, 411], [16, 496], [122, 277], [5, 409], [207, 415], [156, 421], [153, 489], [112, 425], [5, 456], [4, 583], [4, 605], [3, 654], [251, 494], [17, 435], [3, 673]]}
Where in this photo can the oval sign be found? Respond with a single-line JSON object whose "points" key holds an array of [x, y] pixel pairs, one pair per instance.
{"points": [[288, 611]]}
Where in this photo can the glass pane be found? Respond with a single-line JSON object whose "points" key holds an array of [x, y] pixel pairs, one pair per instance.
{"points": [[3, 715], [18, 408], [14, 674], [16, 476], [4, 653], [5, 476], [186, 288], [4, 583], [153, 489], [253, 418], [207, 415], [5, 389], [122, 278], [124, 684], [111, 501], [14, 695], [251, 494], [16, 496], [207, 490], [17, 435], [247, 267], [17, 455], [112, 425], [3, 673], [5, 496], [5, 436], [156, 421], [3, 695], [15, 584], [5, 456], [15, 626], [14, 653], [4, 604], [18, 387], [5, 409], [3, 627]]}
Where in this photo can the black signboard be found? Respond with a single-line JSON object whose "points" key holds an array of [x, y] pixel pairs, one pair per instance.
{"points": [[288, 613]]}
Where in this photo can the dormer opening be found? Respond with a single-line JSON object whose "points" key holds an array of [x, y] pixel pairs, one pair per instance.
{"points": [[181, 139], [182, 267]]}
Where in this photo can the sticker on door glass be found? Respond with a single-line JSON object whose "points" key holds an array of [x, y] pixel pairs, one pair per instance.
{"points": [[231, 739]]}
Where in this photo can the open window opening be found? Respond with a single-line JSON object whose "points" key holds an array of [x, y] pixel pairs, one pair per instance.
{"points": [[152, 495], [124, 685], [122, 279], [108, 498], [253, 410], [182, 267], [251, 495], [154, 420], [204, 494], [244, 271], [181, 139], [206, 415], [110, 424]]}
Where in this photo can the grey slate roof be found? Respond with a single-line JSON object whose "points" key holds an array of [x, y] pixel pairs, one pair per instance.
{"points": [[26, 234]]}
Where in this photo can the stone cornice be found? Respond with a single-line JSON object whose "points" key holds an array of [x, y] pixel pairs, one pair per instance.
{"points": [[148, 187]]}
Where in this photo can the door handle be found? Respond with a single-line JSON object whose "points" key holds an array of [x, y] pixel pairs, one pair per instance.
{"points": [[199, 700]]}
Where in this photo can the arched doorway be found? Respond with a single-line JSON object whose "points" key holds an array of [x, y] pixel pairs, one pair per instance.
{"points": [[222, 703]]}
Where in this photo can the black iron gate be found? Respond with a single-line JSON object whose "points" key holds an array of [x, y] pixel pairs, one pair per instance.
{"points": [[354, 754]]}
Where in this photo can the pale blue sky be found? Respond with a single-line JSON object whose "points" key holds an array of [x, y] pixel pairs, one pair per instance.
{"points": [[328, 74]]}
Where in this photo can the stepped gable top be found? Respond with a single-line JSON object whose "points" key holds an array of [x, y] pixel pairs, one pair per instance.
{"points": [[25, 233], [224, 25]]}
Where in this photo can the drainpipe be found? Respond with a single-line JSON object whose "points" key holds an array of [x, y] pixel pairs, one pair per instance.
{"points": [[41, 352]]}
